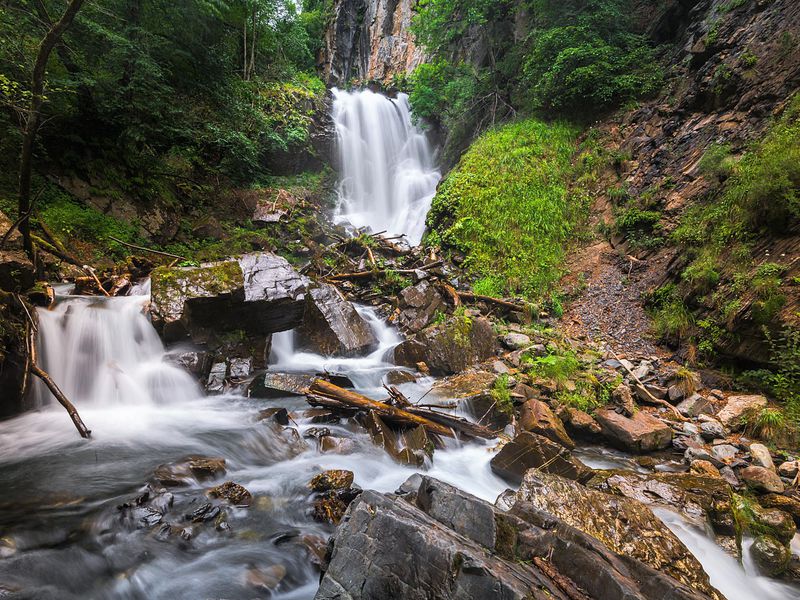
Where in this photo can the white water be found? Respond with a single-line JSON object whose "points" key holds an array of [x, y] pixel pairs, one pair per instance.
{"points": [[387, 167]]}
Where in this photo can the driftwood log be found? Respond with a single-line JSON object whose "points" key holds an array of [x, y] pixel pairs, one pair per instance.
{"points": [[324, 393]]}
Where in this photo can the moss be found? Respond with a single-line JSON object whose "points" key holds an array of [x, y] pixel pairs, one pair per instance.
{"points": [[214, 279], [506, 534]]}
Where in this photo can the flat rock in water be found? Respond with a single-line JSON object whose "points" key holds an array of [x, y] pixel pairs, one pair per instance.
{"points": [[232, 492], [189, 470], [643, 536], [332, 325], [436, 541], [260, 292], [534, 451], [640, 433]]}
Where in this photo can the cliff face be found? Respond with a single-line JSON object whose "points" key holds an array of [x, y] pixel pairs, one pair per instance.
{"points": [[369, 40]]}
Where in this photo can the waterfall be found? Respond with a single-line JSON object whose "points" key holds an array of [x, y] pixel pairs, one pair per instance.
{"points": [[388, 173], [103, 351]]}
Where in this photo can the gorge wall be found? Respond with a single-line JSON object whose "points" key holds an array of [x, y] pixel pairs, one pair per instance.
{"points": [[369, 40]]}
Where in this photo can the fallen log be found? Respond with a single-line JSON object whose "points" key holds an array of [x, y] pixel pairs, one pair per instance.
{"points": [[498, 301], [324, 393], [143, 249], [355, 400]]}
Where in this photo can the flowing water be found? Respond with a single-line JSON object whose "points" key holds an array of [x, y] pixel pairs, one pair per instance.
{"points": [[62, 532], [388, 173]]}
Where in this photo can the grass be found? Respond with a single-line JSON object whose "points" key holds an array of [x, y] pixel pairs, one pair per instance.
{"points": [[506, 207], [502, 395], [559, 366]]}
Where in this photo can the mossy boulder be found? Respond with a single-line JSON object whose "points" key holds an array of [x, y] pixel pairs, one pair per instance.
{"points": [[260, 293], [450, 347]]}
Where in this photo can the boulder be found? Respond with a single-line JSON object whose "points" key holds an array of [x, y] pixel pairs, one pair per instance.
{"points": [[698, 497], [333, 493], [436, 541], [643, 537], [336, 479], [189, 470], [581, 424], [738, 408], [787, 504], [762, 480], [640, 433], [418, 305], [411, 447], [216, 378], [621, 397], [724, 453], [770, 555], [761, 456], [259, 292], [198, 363], [789, 469], [711, 430], [449, 348], [694, 405], [332, 325], [278, 385], [516, 341], [533, 451], [535, 416]]}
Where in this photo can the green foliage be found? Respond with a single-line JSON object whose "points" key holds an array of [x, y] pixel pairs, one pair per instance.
{"points": [[672, 319], [717, 161], [640, 227], [768, 424], [506, 207], [502, 395], [577, 58], [559, 366]]}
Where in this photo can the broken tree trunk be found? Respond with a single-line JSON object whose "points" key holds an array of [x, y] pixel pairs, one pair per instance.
{"points": [[35, 369], [433, 422]]}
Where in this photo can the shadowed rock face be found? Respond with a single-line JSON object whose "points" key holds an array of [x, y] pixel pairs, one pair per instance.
{"points": [[436, 541], [369, 40], [259, 292]]}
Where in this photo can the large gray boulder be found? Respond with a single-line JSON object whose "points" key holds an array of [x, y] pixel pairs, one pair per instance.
{"points": [[624, 525], [332, 325], [260, 293], [436, 541], [418, 305]]}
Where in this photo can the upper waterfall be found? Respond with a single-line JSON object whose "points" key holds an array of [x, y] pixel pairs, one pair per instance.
{"points": [[388, 173]]}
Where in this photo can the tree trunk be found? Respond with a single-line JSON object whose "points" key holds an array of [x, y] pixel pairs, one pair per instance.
{"points": [[252, 46], [34, 119]]}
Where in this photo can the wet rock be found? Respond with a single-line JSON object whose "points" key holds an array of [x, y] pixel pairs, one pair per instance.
{"points": [[277, 385], [516, 341], [761, 456], [399, 377], [770, 555], [336, 445], [535, 416], [332, 325], [738, 408], [240, 368], [198, 363], [643, 537], [469, 384], [698, 497], [762, 480], [411, 447], [436, 541], [581, 424], [640, 433], [267, 578], [450, 347], [533, 451], [189, 470], [418, 305], [216, 378], [694, 405], [276, 415], [204, 513], [259, 292], [730, 476], [232, 492], [336, 479]]}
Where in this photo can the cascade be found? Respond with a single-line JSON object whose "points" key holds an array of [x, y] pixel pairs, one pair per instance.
{"points": [[388, 173]]}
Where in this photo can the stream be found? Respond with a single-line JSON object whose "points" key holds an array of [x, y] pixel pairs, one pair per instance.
{"points": [[62, 534]]}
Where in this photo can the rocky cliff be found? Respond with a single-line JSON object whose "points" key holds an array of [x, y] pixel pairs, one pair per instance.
{"points": [[369, 40]]}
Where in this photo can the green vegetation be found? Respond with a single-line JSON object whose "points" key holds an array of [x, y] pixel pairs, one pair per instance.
{"points": [[576, 58], [506, 207], [502, 395]]}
